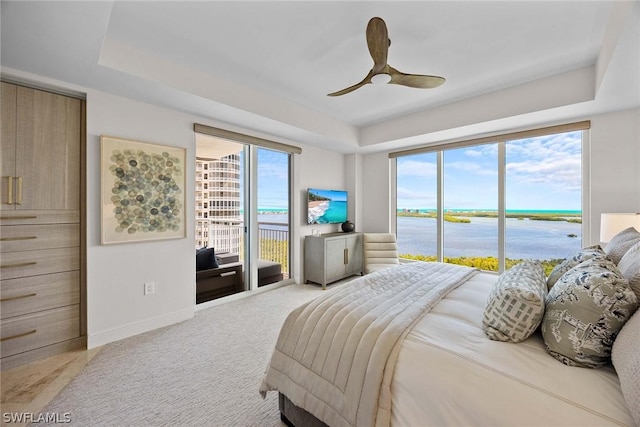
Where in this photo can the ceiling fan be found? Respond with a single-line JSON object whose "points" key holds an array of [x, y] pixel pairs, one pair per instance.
{"points": [[378, 42]]}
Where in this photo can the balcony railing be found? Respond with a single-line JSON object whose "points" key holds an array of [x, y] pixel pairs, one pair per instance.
{"points": [[227, 236]]}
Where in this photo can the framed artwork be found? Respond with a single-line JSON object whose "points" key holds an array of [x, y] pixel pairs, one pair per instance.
{"points": [[143, 191]]}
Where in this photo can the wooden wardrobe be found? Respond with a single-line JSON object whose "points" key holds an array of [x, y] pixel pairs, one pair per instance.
{"points": [[42, 242]]}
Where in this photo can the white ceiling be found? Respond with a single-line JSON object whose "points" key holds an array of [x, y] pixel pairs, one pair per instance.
{"points": [[267, 66]]}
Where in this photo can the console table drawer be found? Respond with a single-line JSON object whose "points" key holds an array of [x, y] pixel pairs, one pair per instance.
{"points": [[37, 293], [32, 263], [15, 238], [24, 333]]}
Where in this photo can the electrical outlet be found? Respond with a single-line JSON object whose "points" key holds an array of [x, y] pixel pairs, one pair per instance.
{"points": [[149, 288]]}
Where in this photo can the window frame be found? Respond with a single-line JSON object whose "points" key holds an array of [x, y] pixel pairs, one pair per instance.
{"points": [[501, 141]]}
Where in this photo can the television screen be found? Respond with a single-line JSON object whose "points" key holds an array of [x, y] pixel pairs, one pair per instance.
{"points": [[326, 206]]}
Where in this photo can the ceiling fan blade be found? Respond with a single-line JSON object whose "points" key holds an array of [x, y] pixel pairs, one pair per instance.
{"points": [[378, 43], [364, 81], [414, 80]]}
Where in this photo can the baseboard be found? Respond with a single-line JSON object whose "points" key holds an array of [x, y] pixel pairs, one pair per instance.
{"points": [[240, 295], [102, 338]]}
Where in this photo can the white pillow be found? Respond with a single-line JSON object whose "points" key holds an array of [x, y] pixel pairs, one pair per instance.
{"points": [[621, 243], [629, 266], [626, 359]]}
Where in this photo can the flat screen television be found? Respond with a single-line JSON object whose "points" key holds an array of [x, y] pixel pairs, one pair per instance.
{"points": [[326, 206]]}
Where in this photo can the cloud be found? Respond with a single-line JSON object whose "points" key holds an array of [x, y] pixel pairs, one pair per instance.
{"points": [[416, 168], [555, 163], [472, 167], [411, 199]]}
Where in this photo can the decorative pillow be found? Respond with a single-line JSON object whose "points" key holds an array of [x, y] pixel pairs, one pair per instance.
{"points": [[626, 360], [621, 243], [583, 254], [206, 259], [629, 266], [516, 303], [585, 310]]}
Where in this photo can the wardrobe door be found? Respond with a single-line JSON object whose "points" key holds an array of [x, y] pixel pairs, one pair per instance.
{"points": [[8, 146], [48, 151]]}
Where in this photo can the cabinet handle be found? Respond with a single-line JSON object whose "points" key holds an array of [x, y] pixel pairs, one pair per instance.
{"points": [[19, 335], [20, 264], [10, 239], [18, 297], [10, 190], [4, 218], [346, 256], [19, 191]]}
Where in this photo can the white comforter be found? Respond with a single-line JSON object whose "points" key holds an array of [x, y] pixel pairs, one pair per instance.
{"points": [[449, 373], [335, 356]]}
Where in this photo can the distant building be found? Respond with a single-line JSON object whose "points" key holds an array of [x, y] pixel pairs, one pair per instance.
{"points": [[218, 214]]}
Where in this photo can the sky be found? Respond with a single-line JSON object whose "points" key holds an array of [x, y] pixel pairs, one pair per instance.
{"points": [[542, 173], [273, 179]]}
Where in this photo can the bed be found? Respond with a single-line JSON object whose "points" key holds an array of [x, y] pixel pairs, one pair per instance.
{"points": [[442, 369]]}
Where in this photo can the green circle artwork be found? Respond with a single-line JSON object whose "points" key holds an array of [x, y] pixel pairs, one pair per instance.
{"points": [[145, 194]]}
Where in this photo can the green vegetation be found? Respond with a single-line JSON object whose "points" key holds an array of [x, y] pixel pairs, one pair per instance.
{"points": [[447, 217], [275, 250], [483, 263]]}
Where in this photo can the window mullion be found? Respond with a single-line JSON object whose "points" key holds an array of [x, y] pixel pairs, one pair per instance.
{"points": [[440, 207], [501, 206]]}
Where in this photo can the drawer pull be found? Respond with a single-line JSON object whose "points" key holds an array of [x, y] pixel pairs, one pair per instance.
{"points": [[11, 239], [20, 264], [18, 335], [18, 297], [10, 190], [19, 190], [18, 217]]}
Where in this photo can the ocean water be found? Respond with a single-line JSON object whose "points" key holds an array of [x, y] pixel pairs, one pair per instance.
{"points": [[525, 239], [335, 213], [479, 238]]}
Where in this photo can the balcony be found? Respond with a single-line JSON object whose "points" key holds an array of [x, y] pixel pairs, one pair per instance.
{"points": [[227, 236]]}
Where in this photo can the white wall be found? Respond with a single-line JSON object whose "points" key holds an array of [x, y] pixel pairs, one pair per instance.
{"points": [[116, 274], [315, 168], [613, 172], [116, 305], [376, 195], [615, 165]]}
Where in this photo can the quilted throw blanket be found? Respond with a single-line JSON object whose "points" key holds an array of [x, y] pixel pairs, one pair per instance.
{"points": [[335, 355]]}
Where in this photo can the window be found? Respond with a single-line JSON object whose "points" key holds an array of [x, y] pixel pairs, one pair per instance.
{"points": [[491, 204]]}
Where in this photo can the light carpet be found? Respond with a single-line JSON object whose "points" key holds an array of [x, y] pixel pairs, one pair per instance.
{"points": [[202, 372]]}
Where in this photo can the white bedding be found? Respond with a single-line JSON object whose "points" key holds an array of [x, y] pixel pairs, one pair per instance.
{"points": [[335, 355], [449, 373]]}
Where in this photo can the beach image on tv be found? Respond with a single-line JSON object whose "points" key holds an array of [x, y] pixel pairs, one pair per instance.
{"points": [[327, 206]]}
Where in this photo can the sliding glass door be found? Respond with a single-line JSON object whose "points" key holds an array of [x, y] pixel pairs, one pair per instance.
{"points": [[273, 220], [242, 207]]}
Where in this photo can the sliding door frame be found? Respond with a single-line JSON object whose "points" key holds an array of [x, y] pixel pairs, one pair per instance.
{"points": [[251, 144]]}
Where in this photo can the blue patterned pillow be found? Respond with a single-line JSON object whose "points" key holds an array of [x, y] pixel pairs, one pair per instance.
{"points": [[582, 255], [585, 310]]}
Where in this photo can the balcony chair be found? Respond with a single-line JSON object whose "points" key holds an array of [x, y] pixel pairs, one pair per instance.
{"points": [[380, 251]]}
